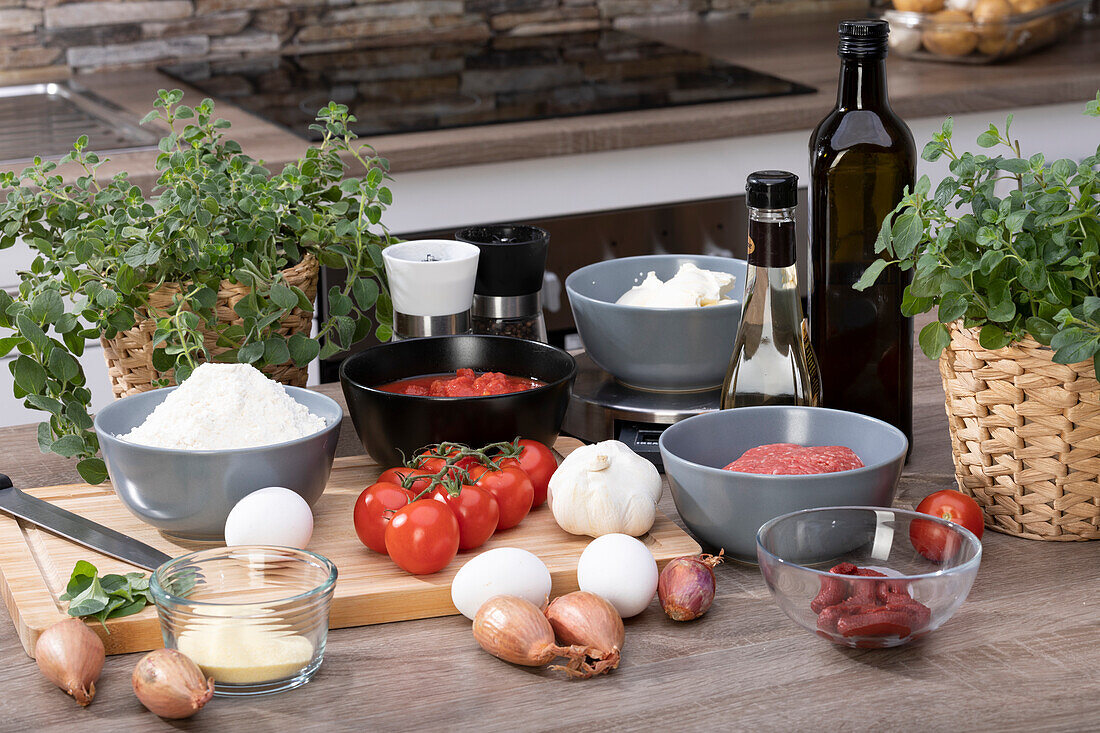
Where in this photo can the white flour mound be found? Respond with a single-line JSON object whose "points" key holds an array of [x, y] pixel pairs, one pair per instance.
{"points": [[224, 406]]}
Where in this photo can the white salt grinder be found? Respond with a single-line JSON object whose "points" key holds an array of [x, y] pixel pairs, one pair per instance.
{"points": [[431, 285]]}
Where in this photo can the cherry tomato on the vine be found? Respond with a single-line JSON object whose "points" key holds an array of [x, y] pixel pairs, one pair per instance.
{"points": [[397, 475], [935, 541], [373, 510], [434, 464], [512, 489], [539, 464], [423, 537], [476, 510]]}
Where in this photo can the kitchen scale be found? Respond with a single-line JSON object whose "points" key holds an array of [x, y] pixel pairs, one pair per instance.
{"points": [[603, 408]]}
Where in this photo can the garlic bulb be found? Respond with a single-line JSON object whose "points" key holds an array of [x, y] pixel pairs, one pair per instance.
{"points": [[605, 488]]}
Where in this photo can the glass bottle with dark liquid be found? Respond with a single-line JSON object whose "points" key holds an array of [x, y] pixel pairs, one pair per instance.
{"points": [[861, 158], [770, 357]]}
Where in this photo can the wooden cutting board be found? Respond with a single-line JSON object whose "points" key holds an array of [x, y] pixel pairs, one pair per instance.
{"points": [[35, 565]]}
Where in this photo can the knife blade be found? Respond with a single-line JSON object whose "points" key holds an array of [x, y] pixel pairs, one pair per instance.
{"points": [[77, 529]]}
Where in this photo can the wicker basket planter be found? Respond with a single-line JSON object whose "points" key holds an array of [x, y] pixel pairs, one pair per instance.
{"points": [[1025, 436], [130, 354]]}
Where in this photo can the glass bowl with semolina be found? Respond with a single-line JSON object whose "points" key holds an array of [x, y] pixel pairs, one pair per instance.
{"points": [[254, 618]]}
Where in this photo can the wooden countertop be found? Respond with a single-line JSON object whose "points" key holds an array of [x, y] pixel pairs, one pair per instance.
{"points": [[1023, 653], [801, 49]]}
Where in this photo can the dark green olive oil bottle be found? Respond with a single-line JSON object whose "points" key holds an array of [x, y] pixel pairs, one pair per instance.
{"points": [[861, 159]]}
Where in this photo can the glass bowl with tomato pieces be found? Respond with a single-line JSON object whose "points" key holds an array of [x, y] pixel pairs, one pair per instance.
{"points": [[867, 577]]}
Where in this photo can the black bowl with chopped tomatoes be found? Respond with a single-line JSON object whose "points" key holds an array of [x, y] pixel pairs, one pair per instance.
{"points": [[392, 425]]}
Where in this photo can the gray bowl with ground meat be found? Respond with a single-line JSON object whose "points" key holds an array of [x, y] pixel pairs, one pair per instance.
{"points": [[723, 509], [188, 493]]}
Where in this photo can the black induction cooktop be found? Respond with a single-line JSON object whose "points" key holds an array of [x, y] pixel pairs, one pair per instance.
{"points": [[503, 79]]}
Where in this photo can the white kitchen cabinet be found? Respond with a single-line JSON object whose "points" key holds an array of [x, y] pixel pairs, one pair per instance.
{"points": [[660, 174]]}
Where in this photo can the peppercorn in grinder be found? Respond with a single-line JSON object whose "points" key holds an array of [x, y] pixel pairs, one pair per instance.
{"points": [[508, 287]]}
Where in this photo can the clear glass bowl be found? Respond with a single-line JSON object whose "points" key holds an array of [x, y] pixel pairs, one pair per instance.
{"points": [[254, 618], [922, 568], [981, 35]]}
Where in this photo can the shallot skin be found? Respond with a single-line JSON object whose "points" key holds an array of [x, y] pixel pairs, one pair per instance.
{"points": [[588, 620], [71, 656], [686, 586]]}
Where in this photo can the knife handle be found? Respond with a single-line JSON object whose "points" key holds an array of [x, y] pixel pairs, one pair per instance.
{"points": [[5, 482]]}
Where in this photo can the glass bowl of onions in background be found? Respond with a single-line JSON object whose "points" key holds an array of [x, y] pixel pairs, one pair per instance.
{"points": [[867, 576], [255, 618]]}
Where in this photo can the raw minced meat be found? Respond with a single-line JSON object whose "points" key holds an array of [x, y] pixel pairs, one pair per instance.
{"points": [[223, 406], [792, 459]]}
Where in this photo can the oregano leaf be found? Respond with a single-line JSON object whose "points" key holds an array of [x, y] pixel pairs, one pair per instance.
{"points": [[867, 279], [303, 349], [992, 337], [906, 233], [933, 339]]}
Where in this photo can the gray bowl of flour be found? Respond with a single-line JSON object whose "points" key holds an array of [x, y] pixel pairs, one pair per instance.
{"points": [[188, 492]]}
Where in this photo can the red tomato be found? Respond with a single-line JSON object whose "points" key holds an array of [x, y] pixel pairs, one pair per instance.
{"points": [[426, 453], [397, 475], [422, 537], [477, 512], [373, 510], [954, 506], [539, 464], [510, 487], [934, 541], [434, 465]]}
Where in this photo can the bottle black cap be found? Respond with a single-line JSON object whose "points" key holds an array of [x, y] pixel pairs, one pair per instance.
{"points": [[863, 38], [772, 190]]}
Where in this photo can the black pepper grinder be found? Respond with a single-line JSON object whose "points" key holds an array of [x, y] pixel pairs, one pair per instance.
{"points": [[508, 286]]}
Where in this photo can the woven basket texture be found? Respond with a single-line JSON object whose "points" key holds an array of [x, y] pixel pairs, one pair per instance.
{"points": [[130, 354], [1025, 434]]}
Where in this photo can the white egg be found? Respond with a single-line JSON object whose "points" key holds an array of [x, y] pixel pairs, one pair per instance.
{"points": [[504, 571], [622, 570], [271, 516]]}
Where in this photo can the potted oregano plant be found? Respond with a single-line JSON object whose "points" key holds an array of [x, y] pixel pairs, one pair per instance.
{"points": [[220, 262], [1007, 248]]}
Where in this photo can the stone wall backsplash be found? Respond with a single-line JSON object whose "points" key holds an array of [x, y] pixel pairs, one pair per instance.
{"points": [[39, 36]]}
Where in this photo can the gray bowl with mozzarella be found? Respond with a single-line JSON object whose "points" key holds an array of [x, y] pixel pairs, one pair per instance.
{"points": [[677, 349]]}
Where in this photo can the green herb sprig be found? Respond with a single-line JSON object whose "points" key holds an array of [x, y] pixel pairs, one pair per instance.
{"points": [[112, 596], [1026, 263], [101, 246]]}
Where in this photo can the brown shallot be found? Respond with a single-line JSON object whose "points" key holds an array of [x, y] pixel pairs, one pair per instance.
{"points": [[170, 684], [588, 620], [514, 629], [71, 656], [686, 586]]}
